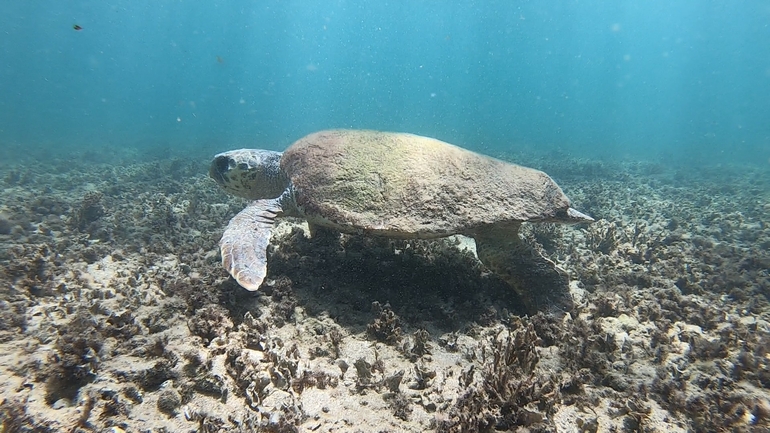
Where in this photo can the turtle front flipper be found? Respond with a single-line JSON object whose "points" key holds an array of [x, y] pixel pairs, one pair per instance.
{"points": [[536, 279], [244, 242]]}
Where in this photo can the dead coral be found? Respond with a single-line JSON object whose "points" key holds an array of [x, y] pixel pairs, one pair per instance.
{"points": [[33, 268], [393, 381], [150, 379], [132, 393], [91, 207], [13, 317], [285, 420], [704, 264], [317, 379], [113, 405], [754, 365], [633, 410], [602, 236], [335, 339], [199, 377], [210, 322], [587, 348], [423, 378], [194, 298], [122, 326], [246, 369], [420, 345], [364, 374], [6, 224], [157, 347], [510, 392], [400, 405], [283, 299], [15, 419], [76, 359], [386, 327], [88, 212], [162, 218], [169, 401]]}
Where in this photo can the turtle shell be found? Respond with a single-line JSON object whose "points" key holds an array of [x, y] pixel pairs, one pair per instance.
{"points": [[408, 186]]}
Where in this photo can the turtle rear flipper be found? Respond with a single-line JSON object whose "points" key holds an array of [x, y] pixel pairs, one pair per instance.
{"points": [[537, 280], [244, 242]]}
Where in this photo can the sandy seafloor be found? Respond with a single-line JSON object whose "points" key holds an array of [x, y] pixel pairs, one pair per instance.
{"points": [[115, 314]]}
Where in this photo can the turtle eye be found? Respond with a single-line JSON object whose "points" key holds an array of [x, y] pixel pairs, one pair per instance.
{"points": [[222, 164]]}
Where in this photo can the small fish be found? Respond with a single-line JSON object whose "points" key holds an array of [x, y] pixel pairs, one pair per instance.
{"points": [[77, 28]]}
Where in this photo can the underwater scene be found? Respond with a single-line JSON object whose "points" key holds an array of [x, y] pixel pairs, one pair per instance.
{"points": [[385, 216]]}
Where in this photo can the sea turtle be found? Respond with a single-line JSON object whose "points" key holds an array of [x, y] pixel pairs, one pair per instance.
{"points": [[400, 186]]}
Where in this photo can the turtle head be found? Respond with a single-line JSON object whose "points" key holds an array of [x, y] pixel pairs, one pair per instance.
{"points": [[249, 173]]}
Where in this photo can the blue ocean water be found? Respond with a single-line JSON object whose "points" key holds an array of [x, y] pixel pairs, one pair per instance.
{"points": [[686, 80]]}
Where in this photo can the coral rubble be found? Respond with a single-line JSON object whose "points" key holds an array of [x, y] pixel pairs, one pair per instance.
{"points": [[115, 314]]}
